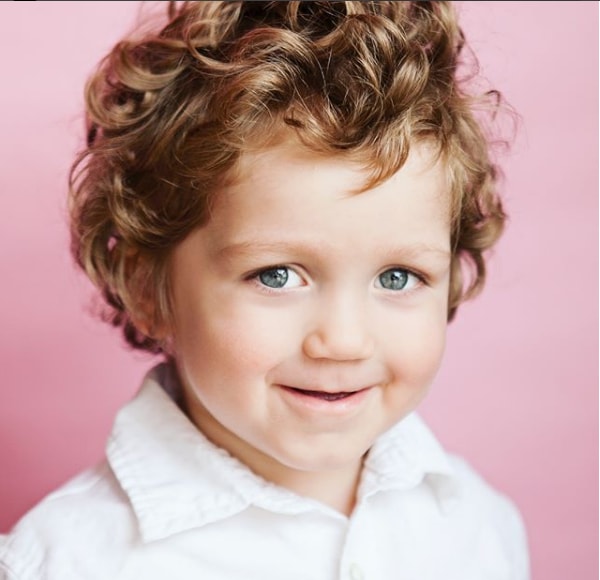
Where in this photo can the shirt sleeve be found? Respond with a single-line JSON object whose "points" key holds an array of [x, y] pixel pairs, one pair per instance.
{"points": [[517, 534], [501, 519], [5, 571]]}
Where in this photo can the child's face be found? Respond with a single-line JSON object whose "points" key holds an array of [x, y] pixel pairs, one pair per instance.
{"points": [[307, 319]]}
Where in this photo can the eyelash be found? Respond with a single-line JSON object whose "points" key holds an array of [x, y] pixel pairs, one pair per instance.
{"points": [[255, 277], [420, 279]]}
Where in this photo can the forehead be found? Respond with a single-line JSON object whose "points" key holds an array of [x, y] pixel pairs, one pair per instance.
{"points": [[286, 197], [272, 172]]}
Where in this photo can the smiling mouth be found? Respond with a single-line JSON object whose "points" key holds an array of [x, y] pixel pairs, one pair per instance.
{"points": [[323, 395]]}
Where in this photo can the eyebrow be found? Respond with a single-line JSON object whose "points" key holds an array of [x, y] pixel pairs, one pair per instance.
{"points": [[250, 247]]}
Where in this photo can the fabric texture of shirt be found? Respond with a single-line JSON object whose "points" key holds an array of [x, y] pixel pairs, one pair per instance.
{"points": [[167, 503]]}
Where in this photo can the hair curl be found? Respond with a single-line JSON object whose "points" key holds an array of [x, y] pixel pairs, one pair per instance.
{"points": [[170, 112]]}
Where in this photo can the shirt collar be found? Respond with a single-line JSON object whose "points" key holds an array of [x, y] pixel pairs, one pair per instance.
{"points": [[176, 479], [404, 457]]}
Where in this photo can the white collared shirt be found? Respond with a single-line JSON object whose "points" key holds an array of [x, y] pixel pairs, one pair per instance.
{"points": [[168, 504]]}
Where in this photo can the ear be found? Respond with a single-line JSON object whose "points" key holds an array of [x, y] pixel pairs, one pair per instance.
{"points": [[147, 309], [148, 321]]}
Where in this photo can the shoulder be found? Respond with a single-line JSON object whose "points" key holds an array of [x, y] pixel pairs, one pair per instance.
{"points": [[479, 495], [498, 521], [71, 529]]}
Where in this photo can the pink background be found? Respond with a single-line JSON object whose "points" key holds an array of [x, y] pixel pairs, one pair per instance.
{"points": [[518, 393]]}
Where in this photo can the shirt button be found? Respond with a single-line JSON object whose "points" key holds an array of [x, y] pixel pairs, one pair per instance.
{"points": [[355, 572]]}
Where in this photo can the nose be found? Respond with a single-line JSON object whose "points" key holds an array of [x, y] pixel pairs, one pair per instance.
{"points": [[340, 333]]}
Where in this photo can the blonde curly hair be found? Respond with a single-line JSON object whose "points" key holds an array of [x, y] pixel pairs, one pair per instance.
{"points": [[170, 112]]}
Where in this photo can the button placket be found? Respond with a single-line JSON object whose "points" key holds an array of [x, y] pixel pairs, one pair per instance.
{"points": [[356, 545]]}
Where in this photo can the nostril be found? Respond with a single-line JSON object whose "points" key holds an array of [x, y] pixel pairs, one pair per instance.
{"points": [[338, 346]]}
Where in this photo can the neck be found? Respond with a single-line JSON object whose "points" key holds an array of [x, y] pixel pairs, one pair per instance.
{"points": [[336, 488]]}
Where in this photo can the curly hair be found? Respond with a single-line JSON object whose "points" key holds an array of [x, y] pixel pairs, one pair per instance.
{"points": [[171, 111]]}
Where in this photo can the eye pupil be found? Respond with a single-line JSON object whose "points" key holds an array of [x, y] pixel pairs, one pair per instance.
{"points": [[274, 278], [393, 279]]}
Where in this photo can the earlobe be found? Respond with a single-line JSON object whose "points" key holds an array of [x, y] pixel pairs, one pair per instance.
{"points": [[160, 333], [149, 323]]}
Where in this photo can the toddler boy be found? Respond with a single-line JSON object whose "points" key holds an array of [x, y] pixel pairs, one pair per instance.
{"points": [[278, 197]]}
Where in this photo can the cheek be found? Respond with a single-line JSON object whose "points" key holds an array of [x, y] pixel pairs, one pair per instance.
{"points": [[416, 361], [234, 340], [417, 352]]}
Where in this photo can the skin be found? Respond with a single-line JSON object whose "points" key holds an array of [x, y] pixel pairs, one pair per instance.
{"points": [[334, 326]]}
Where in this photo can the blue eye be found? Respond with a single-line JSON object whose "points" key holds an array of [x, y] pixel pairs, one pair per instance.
{"points": [[279, 277], [395, 279], [274, 278]]}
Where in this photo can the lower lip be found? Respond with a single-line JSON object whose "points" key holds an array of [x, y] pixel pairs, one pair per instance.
{"points": [[342, 405]]}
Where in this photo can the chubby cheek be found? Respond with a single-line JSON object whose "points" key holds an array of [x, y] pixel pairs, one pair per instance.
{"points": [[415, 356], [229, 345]]}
